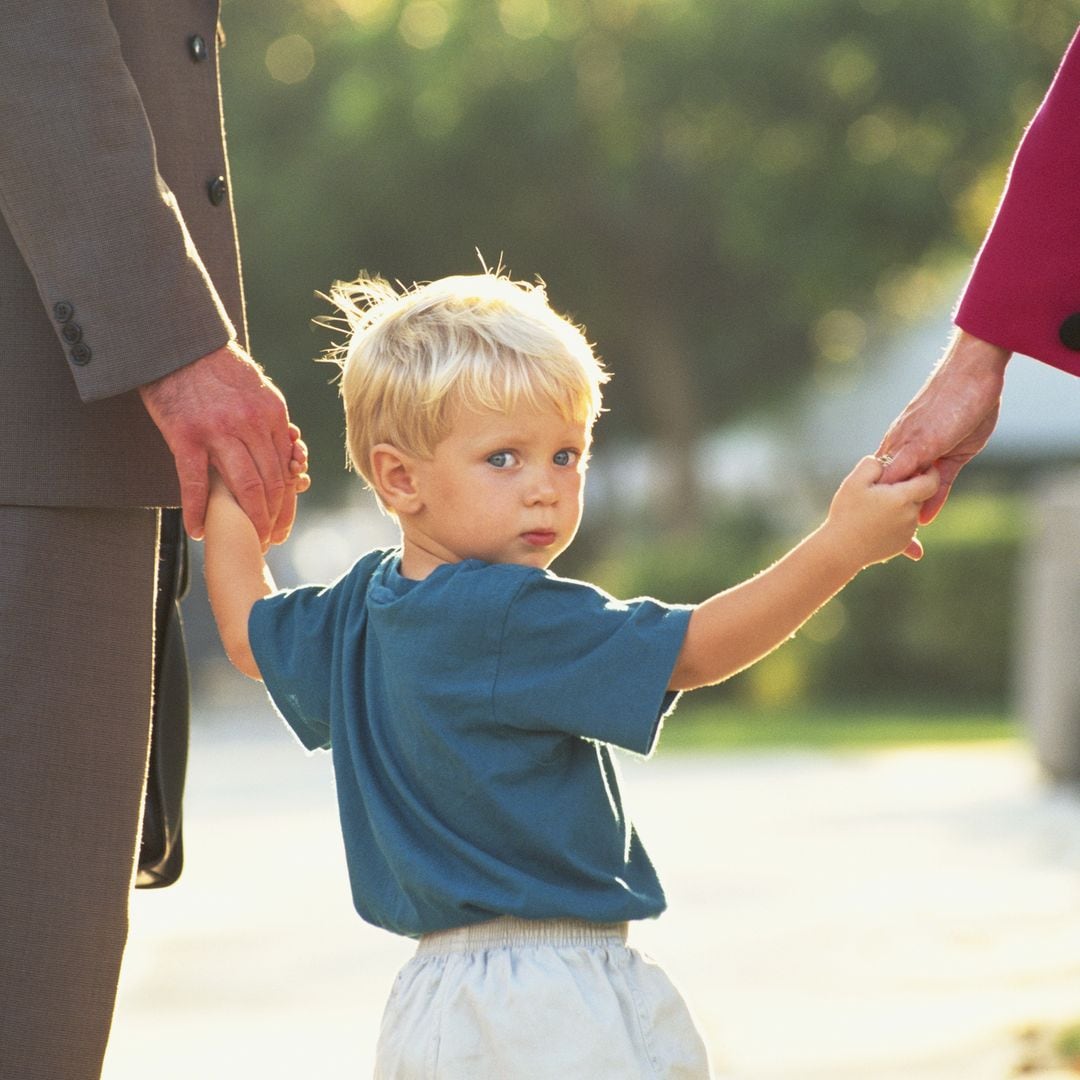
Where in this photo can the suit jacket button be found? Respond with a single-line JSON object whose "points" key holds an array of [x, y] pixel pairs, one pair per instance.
{"points": [[197, 48], [1069, 332], [63, 311], [217, 190], [81, 354], [71, 332]]}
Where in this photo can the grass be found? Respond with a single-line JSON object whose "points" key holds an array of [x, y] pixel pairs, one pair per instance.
{"points": [[725, 726]]}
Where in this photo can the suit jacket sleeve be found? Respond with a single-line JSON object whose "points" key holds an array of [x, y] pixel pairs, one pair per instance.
{"points": [[80, 191], [1024, 291]]}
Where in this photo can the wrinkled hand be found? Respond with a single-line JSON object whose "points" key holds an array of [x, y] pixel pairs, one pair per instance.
{"points": [[221, 411], [950, 419]]}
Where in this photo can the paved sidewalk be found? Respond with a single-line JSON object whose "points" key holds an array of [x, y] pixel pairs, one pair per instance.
{"points": [[872, 916]]}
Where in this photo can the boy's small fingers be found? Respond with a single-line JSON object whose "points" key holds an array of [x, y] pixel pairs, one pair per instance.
{"points": [[929, 483], [921, 487], [870, 469]]}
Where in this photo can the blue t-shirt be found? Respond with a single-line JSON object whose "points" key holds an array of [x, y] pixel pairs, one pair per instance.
{"points": [[469, 716]]}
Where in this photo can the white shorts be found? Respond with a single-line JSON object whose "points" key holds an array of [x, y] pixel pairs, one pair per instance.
{"points": [[517, 1000]]}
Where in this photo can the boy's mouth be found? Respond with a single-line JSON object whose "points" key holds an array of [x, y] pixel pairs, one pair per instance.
{"points": [[539, 537]]}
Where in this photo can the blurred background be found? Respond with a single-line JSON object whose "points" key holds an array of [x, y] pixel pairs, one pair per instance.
{"points": [[762, 212]]}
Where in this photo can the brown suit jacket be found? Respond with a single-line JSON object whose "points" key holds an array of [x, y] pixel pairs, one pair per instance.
{"points": [[118, 258]]}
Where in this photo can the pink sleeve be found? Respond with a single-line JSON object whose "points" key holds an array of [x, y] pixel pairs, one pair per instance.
{"points": [[1024, 292]]}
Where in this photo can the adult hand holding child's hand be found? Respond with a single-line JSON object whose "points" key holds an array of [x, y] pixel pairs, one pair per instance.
{"points": [[874, 520], [222, 412], [950, 419]]}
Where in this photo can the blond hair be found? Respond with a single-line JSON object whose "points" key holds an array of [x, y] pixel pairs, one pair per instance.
{"points": [[481, 341]]}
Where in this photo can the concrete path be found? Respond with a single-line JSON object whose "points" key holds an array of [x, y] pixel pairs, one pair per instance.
{"points": [[874, 916]]}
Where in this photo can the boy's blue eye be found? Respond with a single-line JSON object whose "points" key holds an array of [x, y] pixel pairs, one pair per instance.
{"points": [[565, 457], [503, 459]]}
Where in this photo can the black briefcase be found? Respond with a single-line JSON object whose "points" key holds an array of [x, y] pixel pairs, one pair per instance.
{"points": [[161, 853]]}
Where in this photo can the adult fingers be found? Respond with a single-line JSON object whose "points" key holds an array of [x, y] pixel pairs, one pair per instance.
{"points": [[192, 471], [233, 460], [265, 434], [901, 463], [286, 514], [282, 494], [931, 507]]}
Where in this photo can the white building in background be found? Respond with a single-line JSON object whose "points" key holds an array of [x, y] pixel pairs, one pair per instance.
{"points": [[1040, 417], [791, 459]]}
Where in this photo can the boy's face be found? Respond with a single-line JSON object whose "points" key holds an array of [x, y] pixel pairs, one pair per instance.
{"points": [[502, 487]]}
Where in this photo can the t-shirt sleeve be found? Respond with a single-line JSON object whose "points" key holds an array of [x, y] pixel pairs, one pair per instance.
{"points": [[291, 634], [575, 660], [295, 636]]}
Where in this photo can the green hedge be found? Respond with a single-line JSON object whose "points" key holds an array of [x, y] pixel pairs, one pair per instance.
{"points": [[941, 629]]}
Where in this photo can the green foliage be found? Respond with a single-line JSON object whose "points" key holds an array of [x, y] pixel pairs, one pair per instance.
{"points": [[1067, 1045], [942, 626], [637, 563], [940, 630], [720, 189], [727, 726]]}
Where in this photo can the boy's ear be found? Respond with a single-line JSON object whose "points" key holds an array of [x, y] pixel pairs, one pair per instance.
{"points": [[394, 476]]}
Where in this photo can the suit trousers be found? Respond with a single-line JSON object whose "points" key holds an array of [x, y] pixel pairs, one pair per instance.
{"points": [[76, 671]]}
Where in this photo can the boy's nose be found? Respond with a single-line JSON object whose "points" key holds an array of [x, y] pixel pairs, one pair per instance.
{"points": [[542, 491]]}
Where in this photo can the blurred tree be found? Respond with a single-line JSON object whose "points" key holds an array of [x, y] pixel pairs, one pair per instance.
{"points": [[722, 190]]}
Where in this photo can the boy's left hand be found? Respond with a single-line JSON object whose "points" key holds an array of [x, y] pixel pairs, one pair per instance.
{"points": [[876, 521]]}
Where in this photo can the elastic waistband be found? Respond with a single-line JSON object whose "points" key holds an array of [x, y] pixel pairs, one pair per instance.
{"points": [[507, 932]]}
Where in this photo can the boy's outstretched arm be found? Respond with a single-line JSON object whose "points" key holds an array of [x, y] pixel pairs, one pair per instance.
{"points": [[868, 522], [236, 573]]}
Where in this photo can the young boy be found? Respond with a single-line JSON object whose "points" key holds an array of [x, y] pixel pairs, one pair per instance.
{"points": [[471, 697]]}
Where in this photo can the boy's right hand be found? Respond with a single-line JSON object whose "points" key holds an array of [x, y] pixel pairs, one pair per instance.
{"points": [[299, 479], [871, 521], [298, 464]]}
